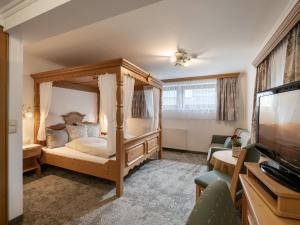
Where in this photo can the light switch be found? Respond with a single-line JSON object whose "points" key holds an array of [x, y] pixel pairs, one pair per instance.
{"points": [[12, 129]]}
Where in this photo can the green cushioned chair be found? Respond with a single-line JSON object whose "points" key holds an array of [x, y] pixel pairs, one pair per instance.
{"points": [[221, 142], [214, 207], [248, 154], [212, 176]]}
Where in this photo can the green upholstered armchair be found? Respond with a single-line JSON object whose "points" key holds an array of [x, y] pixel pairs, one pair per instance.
{"points": [[219, 143], [251, 155], [214, 207]]}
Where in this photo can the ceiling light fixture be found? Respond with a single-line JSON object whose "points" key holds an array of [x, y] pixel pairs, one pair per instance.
{"points": [[181, 58]]}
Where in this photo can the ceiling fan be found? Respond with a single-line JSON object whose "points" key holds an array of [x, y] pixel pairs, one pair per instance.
{"points": [[182, 58]]}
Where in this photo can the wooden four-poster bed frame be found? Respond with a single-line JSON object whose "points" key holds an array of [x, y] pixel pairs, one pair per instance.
{"points": [[129, 152]]}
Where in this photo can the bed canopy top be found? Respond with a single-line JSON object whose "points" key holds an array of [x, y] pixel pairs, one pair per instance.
{"points": [[84, 77]]}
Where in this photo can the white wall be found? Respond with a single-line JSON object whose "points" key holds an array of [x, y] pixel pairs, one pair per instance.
{"points": [[199, 132], [32, 64], [15, 152], [66, 100]]}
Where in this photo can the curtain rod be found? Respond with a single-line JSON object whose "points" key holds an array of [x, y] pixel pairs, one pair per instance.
{"points": [[215, 76]]}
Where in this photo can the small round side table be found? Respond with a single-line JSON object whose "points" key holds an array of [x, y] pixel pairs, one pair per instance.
{"points": [[224, 162]]}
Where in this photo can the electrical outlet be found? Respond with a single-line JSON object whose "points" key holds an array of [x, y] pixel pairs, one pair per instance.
{"points": [[12, 129]]}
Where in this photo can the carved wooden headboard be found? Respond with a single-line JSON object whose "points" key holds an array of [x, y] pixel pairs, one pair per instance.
{"points": [[71, 118]]}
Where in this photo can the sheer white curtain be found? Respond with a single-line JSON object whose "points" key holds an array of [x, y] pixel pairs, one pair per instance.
{"points": [[45, 103], [128, 96], [190, 99], [277, 64], [148, 93], [156, 103], [108, 88]]}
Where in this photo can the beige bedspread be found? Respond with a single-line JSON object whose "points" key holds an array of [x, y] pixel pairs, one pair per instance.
{"points": [[92, 146]]}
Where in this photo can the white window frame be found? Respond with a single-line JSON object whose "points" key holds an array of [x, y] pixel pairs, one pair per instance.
{"points": [[206, 110]]}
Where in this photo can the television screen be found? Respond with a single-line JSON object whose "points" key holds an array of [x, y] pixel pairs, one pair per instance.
{"points": [[279, 127]]}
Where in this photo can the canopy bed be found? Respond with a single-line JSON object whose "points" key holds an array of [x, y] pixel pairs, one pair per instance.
{"points": [[114, 83]]}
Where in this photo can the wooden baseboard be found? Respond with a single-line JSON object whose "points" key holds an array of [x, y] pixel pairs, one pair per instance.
{"points": [[16, 221], [183, 151]]}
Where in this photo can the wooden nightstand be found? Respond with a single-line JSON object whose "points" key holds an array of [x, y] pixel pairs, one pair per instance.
{"points": [[31, 156]]}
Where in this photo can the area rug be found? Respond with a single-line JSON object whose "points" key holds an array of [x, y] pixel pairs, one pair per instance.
{"points": [[158, 192]]}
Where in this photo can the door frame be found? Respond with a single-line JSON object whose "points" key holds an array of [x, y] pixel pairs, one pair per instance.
{"points": [[3, 126]]}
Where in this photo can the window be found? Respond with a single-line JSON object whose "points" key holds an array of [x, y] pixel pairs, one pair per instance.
{"points": [[194, 99], [170, 98]]}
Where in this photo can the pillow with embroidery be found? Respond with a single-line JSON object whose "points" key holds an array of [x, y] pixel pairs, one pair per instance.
{"points": [[93, 129], [78, 131]]}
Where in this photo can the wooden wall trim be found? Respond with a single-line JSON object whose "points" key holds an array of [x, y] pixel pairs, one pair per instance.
{"points": [[73, 86], [3, 127], [215, 76], [284, 28]]}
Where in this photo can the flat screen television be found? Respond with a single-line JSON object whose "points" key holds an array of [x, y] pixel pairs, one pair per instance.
{"points": [[278, 133]]}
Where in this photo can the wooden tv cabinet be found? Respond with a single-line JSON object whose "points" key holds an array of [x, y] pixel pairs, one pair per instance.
{"points": [[258, 205]]}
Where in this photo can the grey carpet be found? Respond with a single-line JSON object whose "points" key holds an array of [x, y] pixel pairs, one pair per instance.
{"points": [[158, 192]]}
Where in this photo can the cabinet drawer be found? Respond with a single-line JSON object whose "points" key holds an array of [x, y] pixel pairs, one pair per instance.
{"points": [[135, 153], [32, 152], [152, 144], [250, 215]]}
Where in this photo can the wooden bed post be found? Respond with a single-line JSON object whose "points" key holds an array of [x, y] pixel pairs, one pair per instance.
{"points": [[36, 110], [120, 153], [160, 124]]}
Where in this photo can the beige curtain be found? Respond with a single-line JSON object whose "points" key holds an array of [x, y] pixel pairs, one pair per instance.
{"points": [[292, 65], [138, 109], [156, 104], [228, 98], [262, 82]]}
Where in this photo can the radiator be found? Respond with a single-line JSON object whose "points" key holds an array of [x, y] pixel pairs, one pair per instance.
{"points": [[174, 138]]}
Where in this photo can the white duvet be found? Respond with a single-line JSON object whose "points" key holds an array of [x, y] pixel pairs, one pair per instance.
{"points": [[92, 146]]}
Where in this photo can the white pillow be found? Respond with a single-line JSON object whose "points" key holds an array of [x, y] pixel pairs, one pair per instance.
{"points": [[93, 129], [78, 131]]}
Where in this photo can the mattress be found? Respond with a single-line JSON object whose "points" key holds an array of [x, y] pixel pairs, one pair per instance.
{"points": [[74, 154]]}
